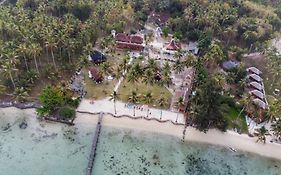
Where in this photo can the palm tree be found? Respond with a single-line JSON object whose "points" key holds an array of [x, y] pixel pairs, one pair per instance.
{"points": [[274, 110], [20, 94], [162, 102], [147, 99], [246, 101], [180, 104], [261, 133], [105, 68], [52, 44], [35, 50], [152, 64], [148, 77], [134, 98], [71, 46], [167, 68], [219, 79], [114, 96], [276, 128], [124, 64], [190, 61], [166, 78], [7, 69], [118, 72], [2, 89], [23, 50], [178, 66], [88, 49]]}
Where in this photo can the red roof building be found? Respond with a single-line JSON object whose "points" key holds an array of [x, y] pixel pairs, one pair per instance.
{"points": [[173, 46], [125, 41], [95, 75]]}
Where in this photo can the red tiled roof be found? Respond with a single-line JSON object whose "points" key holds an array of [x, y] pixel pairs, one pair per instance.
{"points": [[131, 46], [125, 41], [173, 45], [137, 39], [122, 37], [96, 75]]}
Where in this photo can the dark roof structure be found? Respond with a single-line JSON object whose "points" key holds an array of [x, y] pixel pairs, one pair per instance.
{"points": [[97, 57], [228, 65]]}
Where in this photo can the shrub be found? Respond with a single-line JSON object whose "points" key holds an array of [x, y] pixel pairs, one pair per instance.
{"points": [[67, 113]]}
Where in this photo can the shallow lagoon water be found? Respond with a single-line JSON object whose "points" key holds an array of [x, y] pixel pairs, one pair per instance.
{"points": [[55, 149], [128, 152], [43, 148]]}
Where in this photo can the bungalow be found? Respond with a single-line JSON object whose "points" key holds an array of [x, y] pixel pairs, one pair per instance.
{"points": [[257, 94], [260, 103], [253, 70], [131, 42], [96, 57], [95, 75], [158, 18], [193, 47], [255, 85], [228, 65], [254, 77]]}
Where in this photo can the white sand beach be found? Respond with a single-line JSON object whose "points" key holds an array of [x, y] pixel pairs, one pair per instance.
{"points": [[228, 139]]}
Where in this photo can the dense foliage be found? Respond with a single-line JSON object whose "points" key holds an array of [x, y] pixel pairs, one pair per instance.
{"points": [[53, 98], [242, 21]]}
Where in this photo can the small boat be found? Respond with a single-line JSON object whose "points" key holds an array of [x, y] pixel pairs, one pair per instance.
{"points": [[232, 149]]}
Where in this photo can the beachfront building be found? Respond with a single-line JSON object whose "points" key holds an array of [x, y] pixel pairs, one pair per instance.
{"points": [[257, 94], [254, 77], [130, 42], [255, 85], [253, 70], [229, 65], [95, 75], [193, 47]]}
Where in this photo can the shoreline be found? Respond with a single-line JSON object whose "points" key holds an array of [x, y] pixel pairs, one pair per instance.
{"points": [[229, 139]]}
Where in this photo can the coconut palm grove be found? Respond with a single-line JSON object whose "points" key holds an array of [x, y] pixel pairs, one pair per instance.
{"points": [[208, 67]]}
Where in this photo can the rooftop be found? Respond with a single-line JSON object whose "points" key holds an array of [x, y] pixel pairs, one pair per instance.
{"points": [[173, 45], [260, 103], [256, 85], [228, 65], [254, 70], [257, 94], [255, 77], [97, 56]]}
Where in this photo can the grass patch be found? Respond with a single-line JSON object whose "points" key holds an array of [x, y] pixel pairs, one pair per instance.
{"points": [[157, 91], [98, 91], [236, 122]]}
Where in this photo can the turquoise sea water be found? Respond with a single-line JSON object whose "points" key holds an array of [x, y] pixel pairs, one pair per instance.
{"points": [[127, 152], [55, 149]]}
